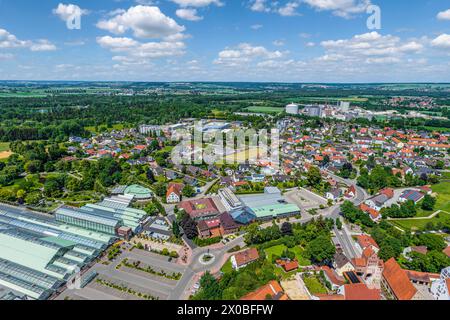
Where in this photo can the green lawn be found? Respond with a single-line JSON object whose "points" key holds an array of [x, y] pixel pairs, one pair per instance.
{"points": [[442, 203], [278, 251], [4, 146], [420, 223], [261, 109], [227, 267], [443, 199], [314, 285]]}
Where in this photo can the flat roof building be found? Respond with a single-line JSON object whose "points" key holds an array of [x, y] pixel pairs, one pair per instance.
{"points": [[38, 254]]}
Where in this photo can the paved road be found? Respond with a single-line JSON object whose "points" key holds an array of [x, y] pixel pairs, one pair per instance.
{"points": [[197, 267]]}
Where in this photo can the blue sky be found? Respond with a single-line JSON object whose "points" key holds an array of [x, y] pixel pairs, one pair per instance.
{"points": [[225, 40]]}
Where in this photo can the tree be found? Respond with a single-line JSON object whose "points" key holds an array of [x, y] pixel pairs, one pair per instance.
{"points": [[160, 189], [286, 229], [428, 203], [314, 177], [320, 250], [189, 227], [176, 229], [188, 191], [431, 241]]}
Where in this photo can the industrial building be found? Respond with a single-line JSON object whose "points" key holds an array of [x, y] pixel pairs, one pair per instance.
{"points": [[292, 108], [38, 254], [266, 206], [106, 217]]}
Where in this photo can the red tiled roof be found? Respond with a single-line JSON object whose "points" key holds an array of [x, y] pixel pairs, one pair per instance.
{"points": [[332, 276], [197, 208], [330, 297], [398, 280], [272, 289], [360, 291], [447, 251], [365, 241], [246, 256], [288, 266]]}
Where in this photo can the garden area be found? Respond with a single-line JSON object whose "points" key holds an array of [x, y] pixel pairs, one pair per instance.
{"points": [[314, 284], [279, 250]]}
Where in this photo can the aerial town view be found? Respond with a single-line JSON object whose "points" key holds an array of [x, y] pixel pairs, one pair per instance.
{"points": [[206, 150]]}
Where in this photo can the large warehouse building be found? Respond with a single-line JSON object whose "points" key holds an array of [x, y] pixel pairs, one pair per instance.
{"points": [[38, 254]]}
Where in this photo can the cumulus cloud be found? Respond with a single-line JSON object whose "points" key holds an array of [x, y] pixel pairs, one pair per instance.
{"points": [[342, 8], [67, 12], [144, 21], [444, 15], [188, 14], [371, 45], [290, 9], [10, 41], [442, 41], [197, 3], [287, 9], [131, 50], [246, 53]]}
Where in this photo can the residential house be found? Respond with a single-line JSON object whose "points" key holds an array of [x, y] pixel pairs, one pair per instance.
{"points": [[244, 258], [342, 264], [396, 282], [173, 194], [272, 290], [411, 195], [227, 224]]}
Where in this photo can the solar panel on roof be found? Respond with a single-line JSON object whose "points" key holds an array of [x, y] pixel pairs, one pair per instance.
{"points": [[352, 277]]}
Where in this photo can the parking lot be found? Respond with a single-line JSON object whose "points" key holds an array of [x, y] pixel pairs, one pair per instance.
{"points": [[118, 280], [305, 199]]}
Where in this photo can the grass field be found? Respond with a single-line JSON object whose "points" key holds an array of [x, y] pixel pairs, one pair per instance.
{"points": [[4, 150], [314, 285], [243, 156], [443, 203], [278, 251], [115, 127], [264, 109], [227, 267], [417, 224]]}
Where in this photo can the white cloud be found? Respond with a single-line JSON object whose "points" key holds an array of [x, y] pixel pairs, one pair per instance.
{"points": [[278, 43], [66, 12], [246, 53], [442, 41], [259, 6], [371, 44], [144, 21], [197, 3], [287, 9], [43, 45], [10, 41], [135, 51], [256, 26], [188, 14], [290, 9], [444, 15], [342, 8]]}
